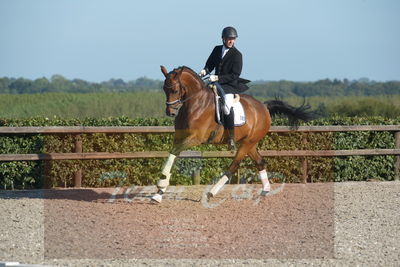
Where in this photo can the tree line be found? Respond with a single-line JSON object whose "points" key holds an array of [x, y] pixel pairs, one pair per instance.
{"points": [[267, 89], [327, 87], [58, 83]]}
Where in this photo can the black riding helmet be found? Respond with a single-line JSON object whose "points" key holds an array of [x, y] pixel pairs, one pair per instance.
{"points": [[229, 32]]}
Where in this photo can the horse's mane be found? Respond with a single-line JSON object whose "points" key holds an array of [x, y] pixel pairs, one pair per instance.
{"points": [[194, 74]]}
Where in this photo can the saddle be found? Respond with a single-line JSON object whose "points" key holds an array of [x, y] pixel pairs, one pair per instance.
{"points": [[240, 116]]}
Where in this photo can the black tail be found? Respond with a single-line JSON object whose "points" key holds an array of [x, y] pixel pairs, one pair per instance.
{"points": [[295, 115]]}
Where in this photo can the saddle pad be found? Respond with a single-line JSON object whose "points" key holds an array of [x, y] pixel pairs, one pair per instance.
{"points": [[240, 116]]}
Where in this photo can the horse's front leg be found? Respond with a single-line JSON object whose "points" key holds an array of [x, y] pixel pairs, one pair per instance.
{"points": [[163, 183]]}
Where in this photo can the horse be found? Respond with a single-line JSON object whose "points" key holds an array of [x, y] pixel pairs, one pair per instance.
{"points": [[191, 101]]}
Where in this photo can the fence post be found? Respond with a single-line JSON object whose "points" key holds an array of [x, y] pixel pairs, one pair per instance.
{"points": [[397, 164], [304, 168], [78, 149], [196, 177]]}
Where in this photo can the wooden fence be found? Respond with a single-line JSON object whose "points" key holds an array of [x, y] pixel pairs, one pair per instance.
{"points": [[79, 155]]}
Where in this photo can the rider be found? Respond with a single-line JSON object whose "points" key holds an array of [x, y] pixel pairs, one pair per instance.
{"points": [[226, 59]]}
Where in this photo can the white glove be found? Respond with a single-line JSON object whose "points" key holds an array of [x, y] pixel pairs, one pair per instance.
{"points": [[202, 73], [213, 78]]}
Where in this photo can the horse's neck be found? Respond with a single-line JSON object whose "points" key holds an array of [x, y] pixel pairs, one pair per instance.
{"points": [[192, 84], [197, 94]]}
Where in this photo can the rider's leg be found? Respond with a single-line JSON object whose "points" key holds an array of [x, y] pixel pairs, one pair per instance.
{"points": [[230, 120], [230, 126], [228, 103]]}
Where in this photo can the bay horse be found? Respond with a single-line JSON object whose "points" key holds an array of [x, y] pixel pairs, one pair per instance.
{"points": [[192, 103]]}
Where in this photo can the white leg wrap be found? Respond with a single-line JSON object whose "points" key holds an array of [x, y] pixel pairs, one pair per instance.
{"points": [[264, 179], [157, 197], [163, 183], [166, 170], [215, 189]]}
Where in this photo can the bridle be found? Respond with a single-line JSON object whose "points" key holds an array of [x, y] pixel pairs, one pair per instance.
{"points": [[178, 102]]}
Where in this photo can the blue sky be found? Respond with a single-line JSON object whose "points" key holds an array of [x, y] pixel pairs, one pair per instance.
{"points": [[299, 40]]}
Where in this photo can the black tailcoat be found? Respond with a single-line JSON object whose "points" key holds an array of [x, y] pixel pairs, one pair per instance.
{"points": [[228, 69]]}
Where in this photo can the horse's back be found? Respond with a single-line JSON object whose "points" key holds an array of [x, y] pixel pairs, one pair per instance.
{"points": [[253, 105], [258, 120]]}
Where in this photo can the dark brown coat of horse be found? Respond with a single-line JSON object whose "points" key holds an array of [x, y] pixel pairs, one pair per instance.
{"points": [[192, 103]]}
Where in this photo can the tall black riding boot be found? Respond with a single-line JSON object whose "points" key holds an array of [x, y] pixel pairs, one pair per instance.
{"points": [[230, 126]]}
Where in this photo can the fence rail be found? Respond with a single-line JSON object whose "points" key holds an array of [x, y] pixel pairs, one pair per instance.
{"points": [[79, 155], [196, 154], [170, 129]]}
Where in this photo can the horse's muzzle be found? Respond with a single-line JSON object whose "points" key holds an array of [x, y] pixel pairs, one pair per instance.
{"points": [[171, 112], [173, 108]]}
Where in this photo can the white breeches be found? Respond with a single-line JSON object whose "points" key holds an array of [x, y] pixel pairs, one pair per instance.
{"points": [[228, 103]]}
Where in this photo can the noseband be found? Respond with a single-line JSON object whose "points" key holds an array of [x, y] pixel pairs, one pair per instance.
{"points": [[177, 101]]}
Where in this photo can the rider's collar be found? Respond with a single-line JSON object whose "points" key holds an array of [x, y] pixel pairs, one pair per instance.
{"points": [[224, 50]]}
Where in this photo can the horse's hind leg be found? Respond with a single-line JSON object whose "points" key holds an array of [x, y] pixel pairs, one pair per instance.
{"points": [[241, 153], [260, 165]]}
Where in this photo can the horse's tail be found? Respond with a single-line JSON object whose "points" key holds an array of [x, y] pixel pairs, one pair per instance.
{"points": [[294, 114]]}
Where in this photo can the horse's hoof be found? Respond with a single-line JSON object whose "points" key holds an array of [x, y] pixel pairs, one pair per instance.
{"points": [[264, 193], [157, 198], [267, 187], [209, 195]]}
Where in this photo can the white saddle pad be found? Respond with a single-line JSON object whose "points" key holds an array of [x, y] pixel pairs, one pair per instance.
{"points": [[240, 117]]}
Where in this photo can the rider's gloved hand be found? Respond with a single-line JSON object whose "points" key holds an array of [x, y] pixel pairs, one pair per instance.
{"points": [[213, 78], [202, 73]]}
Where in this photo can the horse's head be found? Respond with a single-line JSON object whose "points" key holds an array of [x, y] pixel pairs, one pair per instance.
{"points": [[174, 91], [180, 85]]}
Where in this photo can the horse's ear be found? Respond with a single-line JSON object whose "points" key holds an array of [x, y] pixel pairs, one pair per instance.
{"points": [[164, 71]]}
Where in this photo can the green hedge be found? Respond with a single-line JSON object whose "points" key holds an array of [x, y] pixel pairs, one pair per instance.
{"points": [[100, 173]]}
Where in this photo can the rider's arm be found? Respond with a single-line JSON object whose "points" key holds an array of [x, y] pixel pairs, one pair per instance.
{"points": [[212, 59]]}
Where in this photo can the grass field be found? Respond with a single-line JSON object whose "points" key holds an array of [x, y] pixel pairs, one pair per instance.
{"points": [[152, 104], [98, 105]]}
